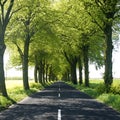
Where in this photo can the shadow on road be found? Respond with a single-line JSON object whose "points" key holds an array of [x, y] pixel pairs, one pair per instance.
{"points": [[74, 105]]}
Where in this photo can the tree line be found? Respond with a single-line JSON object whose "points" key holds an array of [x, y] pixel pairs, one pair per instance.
{"points": [[56, 37]]}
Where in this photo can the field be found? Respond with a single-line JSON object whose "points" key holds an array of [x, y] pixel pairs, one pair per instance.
{"points": [[16, 92], [10, 84]]}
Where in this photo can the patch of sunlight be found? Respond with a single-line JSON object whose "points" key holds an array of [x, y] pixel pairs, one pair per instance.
{"points": [[15, 83]]}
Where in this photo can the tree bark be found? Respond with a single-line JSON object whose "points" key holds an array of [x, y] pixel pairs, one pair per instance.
{"points": [[25, 62], [50, 73], [35, 73], [73, 72], [36, 70], [43, 71], [47, 66], [40, 72], [66, 76], [80, 71], [72, 60], [2, 51], [4, 20], [109, 10], [2, 74], [108, 78], [86, 66]]}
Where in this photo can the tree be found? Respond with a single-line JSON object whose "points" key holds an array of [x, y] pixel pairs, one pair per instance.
{"points": [[43, 55], [105, 13], [22, 40], [77, 28], [28, 20], [72, 60], [5, 16]]}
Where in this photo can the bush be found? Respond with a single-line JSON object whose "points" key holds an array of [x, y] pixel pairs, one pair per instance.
{"points": [[115, 89], [101, 88], [111, 100]]}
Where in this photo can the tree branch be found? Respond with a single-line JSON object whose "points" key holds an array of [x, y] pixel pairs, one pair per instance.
{"points": [[8, 12], [99, 4], [14, 12], [2, 16], [95, 21], [66, 56], [4, 2], [19, 50]]}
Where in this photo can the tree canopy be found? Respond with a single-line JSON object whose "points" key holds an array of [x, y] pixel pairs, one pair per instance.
{"points": [[57, 37]]}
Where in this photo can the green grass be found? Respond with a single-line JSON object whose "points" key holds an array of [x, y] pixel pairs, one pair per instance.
{"points": [[16, 92], [97, 91], [14, 78]]}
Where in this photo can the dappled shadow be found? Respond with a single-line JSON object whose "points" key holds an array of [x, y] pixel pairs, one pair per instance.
{"points": [[30, 112], [84, 109], [74, 105], [11, 102]]}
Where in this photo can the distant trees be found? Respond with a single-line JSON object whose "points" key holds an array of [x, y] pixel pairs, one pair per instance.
{"points": [[76, 32]]}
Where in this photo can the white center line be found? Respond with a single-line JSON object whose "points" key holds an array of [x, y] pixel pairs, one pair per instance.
{"points": [[59, 89], [59, 114], [58, 94]]}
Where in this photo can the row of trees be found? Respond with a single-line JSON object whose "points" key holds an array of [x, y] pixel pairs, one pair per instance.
{"points": [[56, 37]]}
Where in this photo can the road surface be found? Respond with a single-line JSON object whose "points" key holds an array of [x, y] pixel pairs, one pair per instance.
{"points": [[59, 102]]}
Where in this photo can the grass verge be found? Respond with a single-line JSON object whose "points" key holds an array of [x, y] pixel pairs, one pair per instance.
{"points": [[17, 93], [96, 90]]}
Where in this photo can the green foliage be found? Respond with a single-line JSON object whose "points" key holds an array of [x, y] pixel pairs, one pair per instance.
{"points": [[17, 93], [98, 90], [115, 89], [55, 26], [4, 102], [101, 88], [111, 100], [36, 86]]}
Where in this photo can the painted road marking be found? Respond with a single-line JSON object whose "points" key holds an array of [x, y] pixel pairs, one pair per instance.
{"points": [[59, 89], [58, 94], [59, 114]]}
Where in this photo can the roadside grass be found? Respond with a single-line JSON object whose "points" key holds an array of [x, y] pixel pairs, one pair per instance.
{"points": [[16, 92], [97, 91]]}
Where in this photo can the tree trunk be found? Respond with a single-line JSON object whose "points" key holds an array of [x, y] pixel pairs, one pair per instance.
{"points": [[36, 70], [73, 71], [86, 66], [68, 75], [25, 63], [4, 20], [2, 74], [40, 72], [80, 71], [47, 66], [108, 79], [43, 71], [50, 73], [25, 74], [35, 73]]}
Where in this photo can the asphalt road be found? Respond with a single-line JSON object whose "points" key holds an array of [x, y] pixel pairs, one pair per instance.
{"points": [[59, 102]]}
